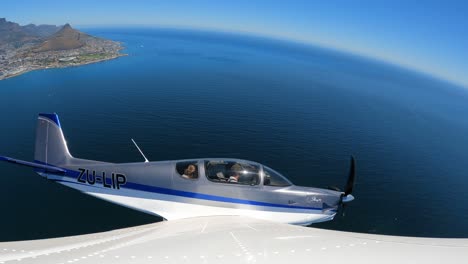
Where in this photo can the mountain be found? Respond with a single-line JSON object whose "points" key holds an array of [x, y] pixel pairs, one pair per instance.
{"points": [[31, 47], [43, 37], [13, 33], [41, 30], [66, 38]]}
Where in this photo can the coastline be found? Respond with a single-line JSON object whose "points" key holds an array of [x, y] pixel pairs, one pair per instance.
{"points": [[60, 47], [114, 56]]}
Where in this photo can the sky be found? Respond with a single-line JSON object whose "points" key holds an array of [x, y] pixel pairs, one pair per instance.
{"points": [[427, 36]]}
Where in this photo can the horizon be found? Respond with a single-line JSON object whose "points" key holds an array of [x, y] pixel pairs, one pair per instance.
{"points": [[430, 39], [282, 41]]}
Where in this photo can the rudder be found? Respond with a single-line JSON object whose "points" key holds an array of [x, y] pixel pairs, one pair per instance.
{"points": [[51, 147]]}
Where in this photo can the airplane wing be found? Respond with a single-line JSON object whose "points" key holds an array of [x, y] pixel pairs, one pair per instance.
{"points": [[233, 239]]}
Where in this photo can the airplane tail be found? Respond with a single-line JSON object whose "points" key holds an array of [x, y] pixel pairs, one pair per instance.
{"points": [[51, 147]]}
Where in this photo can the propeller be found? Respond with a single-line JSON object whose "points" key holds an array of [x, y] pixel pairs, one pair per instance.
{"points": [[347, 196], [351, 180]]}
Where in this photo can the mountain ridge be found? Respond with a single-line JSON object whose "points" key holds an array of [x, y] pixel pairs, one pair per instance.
{"points": [[13, 32], [31, 47]]}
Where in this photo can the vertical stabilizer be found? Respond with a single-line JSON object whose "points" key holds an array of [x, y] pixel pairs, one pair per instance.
{"points": [[51, 147]]}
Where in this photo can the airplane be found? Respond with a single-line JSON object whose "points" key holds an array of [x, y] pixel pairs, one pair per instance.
{"points": [[205, 237], [185, 188]]}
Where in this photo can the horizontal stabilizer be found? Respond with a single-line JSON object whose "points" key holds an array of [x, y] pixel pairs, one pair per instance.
{"points": [[33, 164]]}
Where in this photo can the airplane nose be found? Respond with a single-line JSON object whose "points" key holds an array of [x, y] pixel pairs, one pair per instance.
{"points": [[329, 209]]}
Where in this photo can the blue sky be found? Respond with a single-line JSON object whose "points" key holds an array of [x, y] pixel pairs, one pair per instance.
{"points": [[429, 36]]}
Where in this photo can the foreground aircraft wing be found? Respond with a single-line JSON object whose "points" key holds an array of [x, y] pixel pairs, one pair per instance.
{"points": [[233, 239]]}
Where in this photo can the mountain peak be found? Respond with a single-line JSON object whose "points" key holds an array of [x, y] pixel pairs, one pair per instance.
{"points": [[67, 28], [64, 39]]}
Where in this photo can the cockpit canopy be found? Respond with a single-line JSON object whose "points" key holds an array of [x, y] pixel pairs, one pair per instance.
{"points": [[239, 172], [232, 171], [243, 172]]}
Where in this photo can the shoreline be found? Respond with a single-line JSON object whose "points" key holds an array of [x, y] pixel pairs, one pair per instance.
{"points": [[63, 66]]}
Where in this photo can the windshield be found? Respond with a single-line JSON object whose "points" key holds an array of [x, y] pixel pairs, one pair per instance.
{"points": [[273, 178]]}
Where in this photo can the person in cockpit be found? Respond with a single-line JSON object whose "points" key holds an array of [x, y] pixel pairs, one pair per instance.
{"points": [[236, 168], [190, 172], [234, 178]]}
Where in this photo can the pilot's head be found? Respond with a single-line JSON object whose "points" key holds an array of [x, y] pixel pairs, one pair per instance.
{"points": [[190, 169]]}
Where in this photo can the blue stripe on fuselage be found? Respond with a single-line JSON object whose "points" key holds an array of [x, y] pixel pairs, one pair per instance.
{"points": [[154, 189]]}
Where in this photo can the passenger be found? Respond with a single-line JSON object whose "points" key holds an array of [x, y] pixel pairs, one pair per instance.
{"points": [[190, 172]]}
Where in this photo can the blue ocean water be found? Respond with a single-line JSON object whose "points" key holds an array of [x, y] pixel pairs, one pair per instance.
{"points": [[302, 110]]}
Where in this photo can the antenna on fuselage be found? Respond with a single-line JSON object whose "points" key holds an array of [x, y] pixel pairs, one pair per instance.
{"points": [[141, 152]]}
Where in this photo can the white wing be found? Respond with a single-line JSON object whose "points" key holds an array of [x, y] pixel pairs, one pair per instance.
{"points": [[232, 239]]}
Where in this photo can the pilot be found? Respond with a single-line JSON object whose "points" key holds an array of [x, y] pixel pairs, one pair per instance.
{"points": [[236, 169], [234, 178], [190, 172]]}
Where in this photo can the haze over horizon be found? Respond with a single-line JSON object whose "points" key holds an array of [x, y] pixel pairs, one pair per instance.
{"points": [[431, 38]]}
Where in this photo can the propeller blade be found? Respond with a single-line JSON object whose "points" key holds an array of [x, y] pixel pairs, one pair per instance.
{"points": [[351, 178]]}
